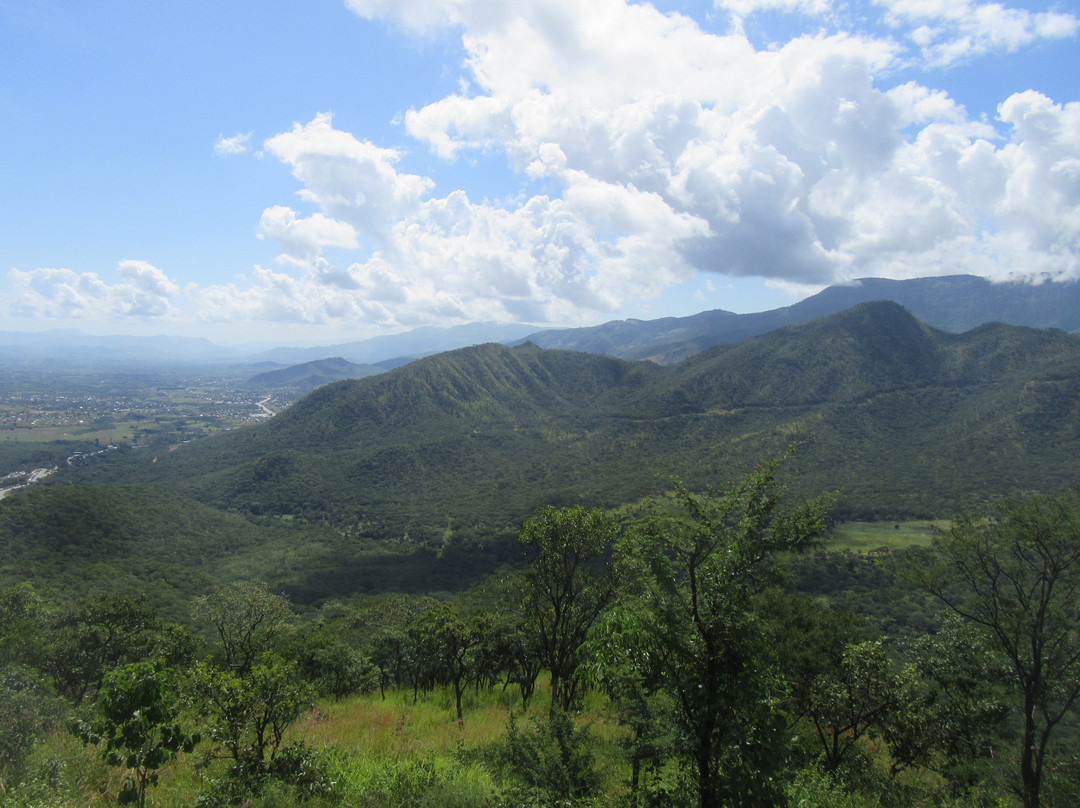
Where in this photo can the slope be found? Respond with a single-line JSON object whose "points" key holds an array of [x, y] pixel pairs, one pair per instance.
{"points": [[953, 303], [904, 419]]}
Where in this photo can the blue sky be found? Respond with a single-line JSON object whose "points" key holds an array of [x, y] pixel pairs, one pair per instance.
{"points": [[330, 170]]}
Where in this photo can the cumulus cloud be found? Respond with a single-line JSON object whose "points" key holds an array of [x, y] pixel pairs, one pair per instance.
{"points": [[304, 237], [665, 150], [950, 31], [145, 291], [354, 181], [229, 146]]}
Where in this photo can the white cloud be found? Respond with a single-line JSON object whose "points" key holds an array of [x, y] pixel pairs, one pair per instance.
{"points": [[60, 293], [304, 237], [951, 31], [229, 146], [351, 180], [666, 150]]}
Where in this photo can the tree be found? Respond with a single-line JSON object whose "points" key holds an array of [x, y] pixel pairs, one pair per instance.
{"points": [[248, 715], [139, 724], [95, 635], [688, 618], [564, 593], [1015, 574], [446, 647], [858, 695], [247, 617], [28, 710]]}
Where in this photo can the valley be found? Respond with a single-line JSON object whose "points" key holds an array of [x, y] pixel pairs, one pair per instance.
{"points": [[380, 560]]}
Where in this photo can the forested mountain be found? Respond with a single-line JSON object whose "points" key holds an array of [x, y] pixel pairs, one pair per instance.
{"points": [[955, 303], [901, 419], [309, 375]]}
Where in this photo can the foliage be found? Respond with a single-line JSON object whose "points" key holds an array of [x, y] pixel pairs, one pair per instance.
{"points": [[859, 695], [552, 758], [247, 617], [93, 636], [28, 711], [247, 716], [564, 595], [139, 725], [1015, 575], [688, 618]]}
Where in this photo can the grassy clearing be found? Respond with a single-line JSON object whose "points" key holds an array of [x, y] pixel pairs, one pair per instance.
{"points": [[381, 753], [864, 537]]}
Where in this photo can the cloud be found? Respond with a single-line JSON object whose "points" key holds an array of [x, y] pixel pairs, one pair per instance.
{"points": [[59, 293], [664, 150], [229, 146], [352, 180], [304, 237], [951, 31]]}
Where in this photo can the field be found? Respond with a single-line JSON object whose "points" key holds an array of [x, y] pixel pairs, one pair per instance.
{"points": [[865, 537], [378, 753]]}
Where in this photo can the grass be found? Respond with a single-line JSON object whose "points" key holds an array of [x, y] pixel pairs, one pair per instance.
{"points": [[865, 537], [381, 753]]}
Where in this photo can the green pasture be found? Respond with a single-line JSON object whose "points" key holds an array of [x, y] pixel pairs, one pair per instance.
{"points": [[865, 537]]}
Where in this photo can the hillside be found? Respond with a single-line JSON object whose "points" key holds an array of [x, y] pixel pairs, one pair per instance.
{"points": [[955, 303], [307, 376], [903, 419]]}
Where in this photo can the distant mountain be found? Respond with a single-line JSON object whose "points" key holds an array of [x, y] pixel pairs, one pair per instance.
{"points": [[74, 345], [419, 342], [309, 375], [903, 419], [954, 303]]}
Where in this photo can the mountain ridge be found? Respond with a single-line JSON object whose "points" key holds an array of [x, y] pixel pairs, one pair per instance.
{"points": [[904, 419]]}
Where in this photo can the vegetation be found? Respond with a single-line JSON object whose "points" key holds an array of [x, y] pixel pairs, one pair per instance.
{"points": [[692, 673], [464, 583]]}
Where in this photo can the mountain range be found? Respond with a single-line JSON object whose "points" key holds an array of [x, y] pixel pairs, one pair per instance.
{"points": [[419, 478], [900, 418], [953, 303]]}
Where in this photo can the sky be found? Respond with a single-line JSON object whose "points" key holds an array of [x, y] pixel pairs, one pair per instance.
{"points": [[335, 169]]}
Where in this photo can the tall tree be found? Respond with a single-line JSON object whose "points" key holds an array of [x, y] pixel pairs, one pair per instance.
{"points": [[565, 589], [1015, 574], [247, 617], [689, 619]]}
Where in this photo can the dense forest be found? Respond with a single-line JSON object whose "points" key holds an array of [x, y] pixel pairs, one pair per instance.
{"points": [[702, 649], [525, 577]]}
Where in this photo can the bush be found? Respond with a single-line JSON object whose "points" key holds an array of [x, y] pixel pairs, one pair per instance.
{"points": [[552, 759]]}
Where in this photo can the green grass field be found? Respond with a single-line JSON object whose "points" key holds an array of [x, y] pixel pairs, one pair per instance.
{"points": [[864, 537]]}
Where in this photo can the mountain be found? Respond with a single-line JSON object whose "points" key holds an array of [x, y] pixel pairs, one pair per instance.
{"points": [[74, 345], [309, 375], [421, 341], [955, 303], [903, 419]]}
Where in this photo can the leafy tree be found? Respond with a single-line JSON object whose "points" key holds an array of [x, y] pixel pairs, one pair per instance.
{"points": [[139, 724], [334, 667], [23, 620], [93, 636], [861, 693], [564, 593], [553, 757], [247, 617], [1015, 574], [957, 722], [247, 716], [507, 650], [689, 616]]}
